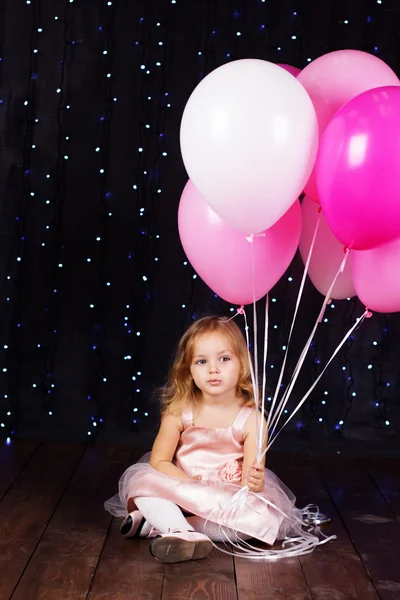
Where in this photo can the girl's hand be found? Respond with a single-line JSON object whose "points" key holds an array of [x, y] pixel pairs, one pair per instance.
{"points": [[255, 478], [197, 477]]}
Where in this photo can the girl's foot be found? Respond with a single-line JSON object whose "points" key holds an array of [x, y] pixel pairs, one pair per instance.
{"points": [[180, 546], [132, 524]]}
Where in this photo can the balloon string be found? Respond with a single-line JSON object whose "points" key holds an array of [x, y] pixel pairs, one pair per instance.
{"points": [[300, 294], [300, 404], [250, 359], [260, 433], [255, 341], [263, 428], [297, 545], [278, 412]]}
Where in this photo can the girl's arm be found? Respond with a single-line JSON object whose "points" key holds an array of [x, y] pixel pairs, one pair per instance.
{"points": [[165, 445], [253, 471]]}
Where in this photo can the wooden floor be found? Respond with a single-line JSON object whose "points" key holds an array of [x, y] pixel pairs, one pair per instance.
{"points": [[57, 542]]}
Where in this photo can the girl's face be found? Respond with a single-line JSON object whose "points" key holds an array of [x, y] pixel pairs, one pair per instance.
{"points": [[215, 368]]}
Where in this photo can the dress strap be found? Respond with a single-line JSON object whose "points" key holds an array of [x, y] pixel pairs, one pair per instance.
{"points": [[187, 415], [242, 417]]}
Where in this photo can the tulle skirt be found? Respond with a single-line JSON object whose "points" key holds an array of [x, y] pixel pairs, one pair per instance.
{"points": [[268, 516]]}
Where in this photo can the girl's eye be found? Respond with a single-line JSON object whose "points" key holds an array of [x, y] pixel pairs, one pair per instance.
{"points": [[200, 362], [225, 358]]}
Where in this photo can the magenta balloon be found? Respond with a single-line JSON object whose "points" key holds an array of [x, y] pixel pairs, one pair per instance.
{"points": [[376, 277], [327, 255], [222, 256], [292, 70], [358, 170]]}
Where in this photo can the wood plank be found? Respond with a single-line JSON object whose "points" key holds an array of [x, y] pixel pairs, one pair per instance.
{"points": [[207, 579], [126, 565], [13, 458], [65, 560], [76, 538], [279, 580], [27, 507], [334, 570], [370, 521], [385, 472], [368, 517], [126, 570]]}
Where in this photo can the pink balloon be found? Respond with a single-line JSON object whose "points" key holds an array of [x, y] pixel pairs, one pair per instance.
{"points": [[334, 79], [376, 278], [358, 170], [292, 70], [327, 255], [222, 256]]}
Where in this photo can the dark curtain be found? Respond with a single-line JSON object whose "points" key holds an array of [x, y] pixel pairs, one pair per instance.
{"points": [[95, 291]]}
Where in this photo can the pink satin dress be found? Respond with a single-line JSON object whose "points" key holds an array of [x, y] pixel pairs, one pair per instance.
{"points": [[216, 455]]}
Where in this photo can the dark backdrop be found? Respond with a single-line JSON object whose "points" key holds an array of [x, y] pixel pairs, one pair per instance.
{"points": [[95, 291]]}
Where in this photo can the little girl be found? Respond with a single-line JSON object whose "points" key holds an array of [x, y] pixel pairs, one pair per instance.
{"points": [[204, 452]]}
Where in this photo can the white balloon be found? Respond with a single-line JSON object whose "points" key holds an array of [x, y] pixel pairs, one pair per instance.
{"points": [[249, 138]]}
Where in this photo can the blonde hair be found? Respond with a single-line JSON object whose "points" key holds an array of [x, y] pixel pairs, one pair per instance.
{"points": [[180, 387]]}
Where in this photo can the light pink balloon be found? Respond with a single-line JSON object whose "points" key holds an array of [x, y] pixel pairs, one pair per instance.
{"points": [[327, 255], [290, 69], [376, 277], [335, 78], [358, 170], [222, 256]]}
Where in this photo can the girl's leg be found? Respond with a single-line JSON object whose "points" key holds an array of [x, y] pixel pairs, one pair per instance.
{"points": [[162, 514], [157, 515], [215, 532]]}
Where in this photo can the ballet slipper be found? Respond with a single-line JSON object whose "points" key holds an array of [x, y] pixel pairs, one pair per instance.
{"points": [[132, 524], [179, 546], [153, 532]]}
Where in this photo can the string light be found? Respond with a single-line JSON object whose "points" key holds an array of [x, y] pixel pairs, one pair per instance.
{"points": [[115, 302]]}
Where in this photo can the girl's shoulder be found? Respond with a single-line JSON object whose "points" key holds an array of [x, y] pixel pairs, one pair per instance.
{"points": [[179, 412], [253, 419]]}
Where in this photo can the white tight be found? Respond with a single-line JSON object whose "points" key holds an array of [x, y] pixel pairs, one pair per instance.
{"points": [[166, 516], [162, 514]]}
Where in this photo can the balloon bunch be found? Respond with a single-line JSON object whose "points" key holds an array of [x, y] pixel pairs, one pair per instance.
{"points": [[249, 139], [356, 178], [254, 137]]}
